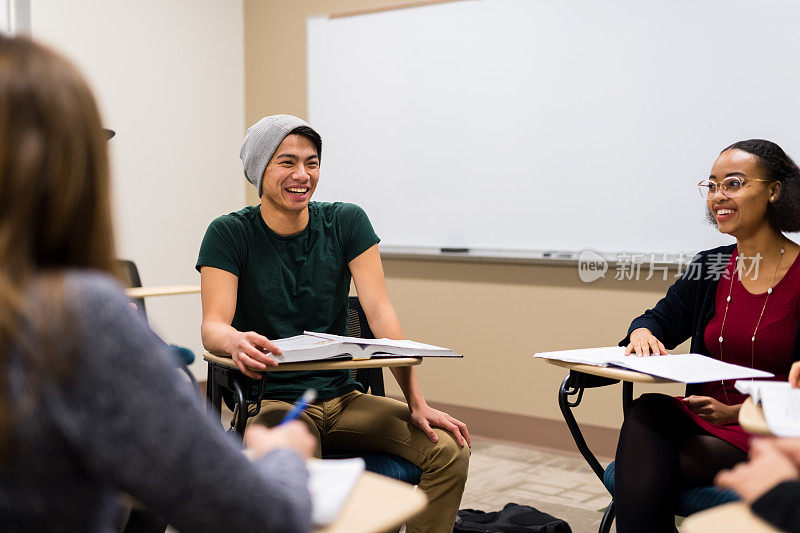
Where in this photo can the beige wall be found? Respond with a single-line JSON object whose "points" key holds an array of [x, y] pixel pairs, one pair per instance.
{"points": [[497, 315], [175, 97]]}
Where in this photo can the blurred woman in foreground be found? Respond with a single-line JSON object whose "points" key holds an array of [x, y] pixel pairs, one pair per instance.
{"points": [[89, 403]]}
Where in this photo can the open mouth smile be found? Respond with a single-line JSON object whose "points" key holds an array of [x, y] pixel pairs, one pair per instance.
{"points": [[297, 191], [723, 213]]}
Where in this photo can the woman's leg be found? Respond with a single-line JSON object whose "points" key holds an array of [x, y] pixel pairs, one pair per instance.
{"points": [[661, 453], [702, 456], [647, 469]]}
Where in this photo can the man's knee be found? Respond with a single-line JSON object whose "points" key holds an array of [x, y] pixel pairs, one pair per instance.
{"points": [[272, 414], [450, 455], [270, 417]]}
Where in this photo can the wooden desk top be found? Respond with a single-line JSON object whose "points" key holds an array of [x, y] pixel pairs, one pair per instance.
{"points": [[167, 290], [378, 503], [752, 420], [731, 518], [610, 372], [345, 364]]}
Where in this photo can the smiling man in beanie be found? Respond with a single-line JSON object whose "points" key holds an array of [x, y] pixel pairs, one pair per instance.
{"points": [[273, 270]]}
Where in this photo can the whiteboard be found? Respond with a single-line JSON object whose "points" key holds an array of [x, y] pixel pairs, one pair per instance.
{"points": [[548, 124]]}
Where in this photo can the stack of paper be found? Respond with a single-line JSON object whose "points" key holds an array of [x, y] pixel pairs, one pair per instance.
{"points": [[780, 402], [686, 368]]}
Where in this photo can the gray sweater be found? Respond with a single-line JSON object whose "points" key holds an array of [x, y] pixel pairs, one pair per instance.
{"points": [[126, 421]]}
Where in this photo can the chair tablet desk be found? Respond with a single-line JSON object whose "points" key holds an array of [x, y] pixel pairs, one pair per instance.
{"points": [[751, 418], [167, 290], [582, 376], [731, 518], [137, 293], [377, 504]]}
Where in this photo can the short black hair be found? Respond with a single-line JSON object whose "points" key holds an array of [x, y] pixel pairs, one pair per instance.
{"points": [[784, 214], [309, 133]]}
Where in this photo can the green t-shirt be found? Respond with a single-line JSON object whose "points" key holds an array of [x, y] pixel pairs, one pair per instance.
{"points": [[294, 283]]}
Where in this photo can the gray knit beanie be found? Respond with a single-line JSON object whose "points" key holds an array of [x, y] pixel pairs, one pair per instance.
{"points": [[261, 141]]}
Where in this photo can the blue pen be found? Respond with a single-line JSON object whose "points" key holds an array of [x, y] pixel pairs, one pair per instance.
{"points": [[300, 405]]}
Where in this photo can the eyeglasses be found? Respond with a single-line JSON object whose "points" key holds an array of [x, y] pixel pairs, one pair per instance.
{"points": [[731, 187]]}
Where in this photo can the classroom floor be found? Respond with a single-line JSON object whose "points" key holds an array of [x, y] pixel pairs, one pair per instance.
{"points": [[558, 483]]}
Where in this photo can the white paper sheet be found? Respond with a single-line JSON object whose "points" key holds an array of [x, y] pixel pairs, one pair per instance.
{"points": [[685, 368], [782, 410], [330, 482], [780, 402], [754, 387]]}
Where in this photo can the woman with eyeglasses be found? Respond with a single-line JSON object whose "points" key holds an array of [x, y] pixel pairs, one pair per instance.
{"points": [[738, 303], [90, 404]]}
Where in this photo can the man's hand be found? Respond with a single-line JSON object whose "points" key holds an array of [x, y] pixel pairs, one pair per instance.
{"points": [[794, 374], [644, 343], [426, 418], [768, 466], [249, 351], [292, 435], [711, 410]]}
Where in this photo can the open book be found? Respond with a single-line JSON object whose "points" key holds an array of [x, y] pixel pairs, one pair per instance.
{"points": [[686, 368], [780, 402], [315, 346]]}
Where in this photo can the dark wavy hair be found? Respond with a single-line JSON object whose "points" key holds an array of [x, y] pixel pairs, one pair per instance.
{"points": [[784, 214]]}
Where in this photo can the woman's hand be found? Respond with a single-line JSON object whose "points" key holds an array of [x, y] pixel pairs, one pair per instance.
{"points": [[768, 466], [712, 410], [292, 435], [249, 351], [426, 418], [644, 343], [794, 374]]}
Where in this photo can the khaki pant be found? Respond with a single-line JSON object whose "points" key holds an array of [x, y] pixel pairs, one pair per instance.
{"points": [[357, 422]]}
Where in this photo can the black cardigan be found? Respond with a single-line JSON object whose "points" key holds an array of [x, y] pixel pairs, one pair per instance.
{"points": [[781, 506], [688, 307]]}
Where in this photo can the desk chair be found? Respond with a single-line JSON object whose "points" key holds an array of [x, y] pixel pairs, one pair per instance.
{"points": [[183, 356], [237, 391], [690, 501]]}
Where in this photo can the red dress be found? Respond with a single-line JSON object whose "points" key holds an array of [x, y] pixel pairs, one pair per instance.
{"points": [[774, 343]]}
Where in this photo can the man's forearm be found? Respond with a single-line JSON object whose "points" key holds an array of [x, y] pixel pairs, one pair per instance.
{"points": [[215, 336], [387, 325], [407, 379]]}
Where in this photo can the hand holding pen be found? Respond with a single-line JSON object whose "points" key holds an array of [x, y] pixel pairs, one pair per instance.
{"points": [[290, 433], [299, 406]]}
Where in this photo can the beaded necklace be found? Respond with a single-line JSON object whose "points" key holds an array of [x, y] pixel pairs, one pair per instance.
{"points": [[760, 316]]}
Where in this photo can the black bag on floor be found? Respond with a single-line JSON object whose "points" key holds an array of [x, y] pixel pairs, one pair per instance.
{"points": [[513, 518]]}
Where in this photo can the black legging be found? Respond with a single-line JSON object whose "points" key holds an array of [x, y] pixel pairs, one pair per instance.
{"points": [[662, 452]]}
